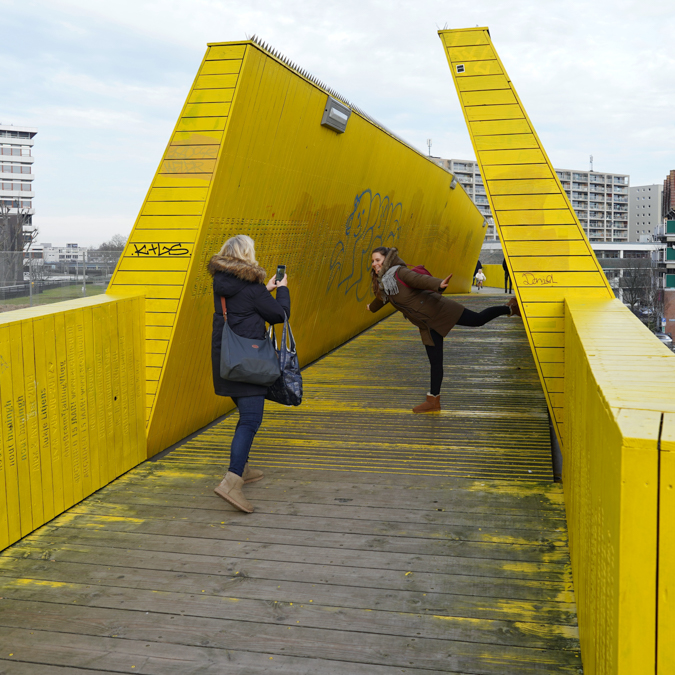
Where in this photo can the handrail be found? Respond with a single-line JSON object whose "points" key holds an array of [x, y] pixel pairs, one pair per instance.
{"points": [[618, 478]]}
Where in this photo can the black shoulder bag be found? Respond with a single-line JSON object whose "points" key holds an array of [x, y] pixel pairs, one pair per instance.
{"points": [[246, 360]]}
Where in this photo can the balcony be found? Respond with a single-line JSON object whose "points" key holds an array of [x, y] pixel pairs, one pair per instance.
{"points": [[15, 151]]}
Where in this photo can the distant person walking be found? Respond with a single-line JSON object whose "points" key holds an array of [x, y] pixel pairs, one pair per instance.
{"points": [[480, 279], [478, 267], [418, 297], [507, 277], [239, 279]]}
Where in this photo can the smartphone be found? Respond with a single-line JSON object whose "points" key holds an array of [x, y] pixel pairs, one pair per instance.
{"points": [[281, 272]]}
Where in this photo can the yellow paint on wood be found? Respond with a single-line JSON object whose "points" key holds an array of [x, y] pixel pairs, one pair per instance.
{"points": [[482, 113], [498, 96], [666, 551], [225, 51], [61, 367], [563, 263], [298, 189]]}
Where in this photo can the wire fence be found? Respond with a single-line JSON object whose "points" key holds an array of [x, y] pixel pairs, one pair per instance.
{"points": [[28, 283]]}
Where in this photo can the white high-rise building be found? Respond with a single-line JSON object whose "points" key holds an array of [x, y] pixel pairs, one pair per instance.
{"points": [[16, 166], [644, 211], [599, 199]]}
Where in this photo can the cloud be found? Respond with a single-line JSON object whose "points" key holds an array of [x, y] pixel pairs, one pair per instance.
{"points": [[104, 82]]}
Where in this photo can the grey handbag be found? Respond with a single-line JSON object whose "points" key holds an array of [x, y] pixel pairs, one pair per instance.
{"points": [[246, 360], [287, 390]]}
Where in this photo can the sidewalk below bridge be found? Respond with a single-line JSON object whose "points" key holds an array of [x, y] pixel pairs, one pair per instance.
{"points": [[382, 542]]}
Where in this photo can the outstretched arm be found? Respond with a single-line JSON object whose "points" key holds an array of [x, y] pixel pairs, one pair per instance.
{"points": [[422, 281]]}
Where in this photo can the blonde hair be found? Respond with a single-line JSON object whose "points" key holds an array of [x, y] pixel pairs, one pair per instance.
{"points": [[242, 247]]}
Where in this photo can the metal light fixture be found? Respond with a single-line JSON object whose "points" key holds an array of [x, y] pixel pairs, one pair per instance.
{"points": [[335, 115], [453, 183]]}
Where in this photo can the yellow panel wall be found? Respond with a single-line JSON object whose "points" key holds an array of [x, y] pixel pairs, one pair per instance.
{"points": [[665, 652], [618, 480], [546, 250], [494, 276], [250, 156], [71, 396]]}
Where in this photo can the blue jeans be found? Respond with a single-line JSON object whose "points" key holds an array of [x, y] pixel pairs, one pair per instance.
{"points": [[251, 410]]}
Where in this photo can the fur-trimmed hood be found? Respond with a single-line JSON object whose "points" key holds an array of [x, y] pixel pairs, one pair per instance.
{"points": [[390, 260], [237, 268]]}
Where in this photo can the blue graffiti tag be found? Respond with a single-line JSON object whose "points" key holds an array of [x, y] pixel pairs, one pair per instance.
{"points": [[373, 222]]}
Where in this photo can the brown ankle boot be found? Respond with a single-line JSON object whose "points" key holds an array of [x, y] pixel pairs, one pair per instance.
{"points": [[230, 490], [251, 475], [432, 404]]}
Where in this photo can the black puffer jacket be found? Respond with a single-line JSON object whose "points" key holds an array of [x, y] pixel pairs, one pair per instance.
{"points": [[249, 306]]}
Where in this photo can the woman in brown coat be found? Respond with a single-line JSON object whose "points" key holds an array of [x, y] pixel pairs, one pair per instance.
{"points": [[418, 297]]}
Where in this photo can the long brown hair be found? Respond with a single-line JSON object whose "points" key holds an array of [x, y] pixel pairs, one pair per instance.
{"points": [[382, 250]]}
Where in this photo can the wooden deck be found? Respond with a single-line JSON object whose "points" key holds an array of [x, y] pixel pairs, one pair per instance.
{"points": [[382, 542]]}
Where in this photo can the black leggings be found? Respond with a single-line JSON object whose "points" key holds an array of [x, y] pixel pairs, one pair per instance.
{"points": [[468, 318]]}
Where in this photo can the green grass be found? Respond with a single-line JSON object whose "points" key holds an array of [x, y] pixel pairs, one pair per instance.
{"points": [[50, 296]]}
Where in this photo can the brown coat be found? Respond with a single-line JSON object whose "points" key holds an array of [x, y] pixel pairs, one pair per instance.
{"points": [[420, 301]]}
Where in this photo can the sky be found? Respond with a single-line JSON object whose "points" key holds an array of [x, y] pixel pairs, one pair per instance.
{"points": [[104, 83]]}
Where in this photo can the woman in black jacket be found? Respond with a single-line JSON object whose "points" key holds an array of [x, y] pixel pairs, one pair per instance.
{"points": [[239, 279]]}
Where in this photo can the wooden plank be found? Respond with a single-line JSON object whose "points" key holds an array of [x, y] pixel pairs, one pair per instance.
{"points": [[504, 142], [174, 208], [467, 37], [220, 109], [42, 420], [102, 387], [578, 263], [115, 655], [216, 52], [523, 187], [216, 81], [19, 409], [10, 523], [483, 67], [218, 617], [482, 83], [192, 152], [211, 96], [162, 223], [473, 53], [201, 137], [497, 97], [64, 428], [522, 203], [578, 247], [193, 124], [511, 126], [544, 233], [220, 67], [487, 113]]}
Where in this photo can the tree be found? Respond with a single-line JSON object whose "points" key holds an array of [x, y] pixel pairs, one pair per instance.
{"points": [[108, 252], [16, 236], [117, 243]]}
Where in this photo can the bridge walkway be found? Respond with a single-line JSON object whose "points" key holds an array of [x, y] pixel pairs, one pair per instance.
{"points": [[382, 542]]}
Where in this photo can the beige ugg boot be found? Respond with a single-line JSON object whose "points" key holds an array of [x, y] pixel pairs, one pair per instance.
{"points": [[230, 490], [432, 404], [251, 475]]}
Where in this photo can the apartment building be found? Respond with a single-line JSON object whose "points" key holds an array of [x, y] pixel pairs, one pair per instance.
{"points": [[644, 214], [16, 168], [468, 175], [600, 200]]}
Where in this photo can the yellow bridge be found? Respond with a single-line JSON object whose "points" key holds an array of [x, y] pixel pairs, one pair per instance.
{"points": [[382, 542]]}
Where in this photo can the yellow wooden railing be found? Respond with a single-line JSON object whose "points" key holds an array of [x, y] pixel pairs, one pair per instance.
{"points": [[72, 391], [619, 479]]}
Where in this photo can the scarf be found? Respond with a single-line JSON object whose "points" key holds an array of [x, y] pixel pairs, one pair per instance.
{"points": [[388, 282]]}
